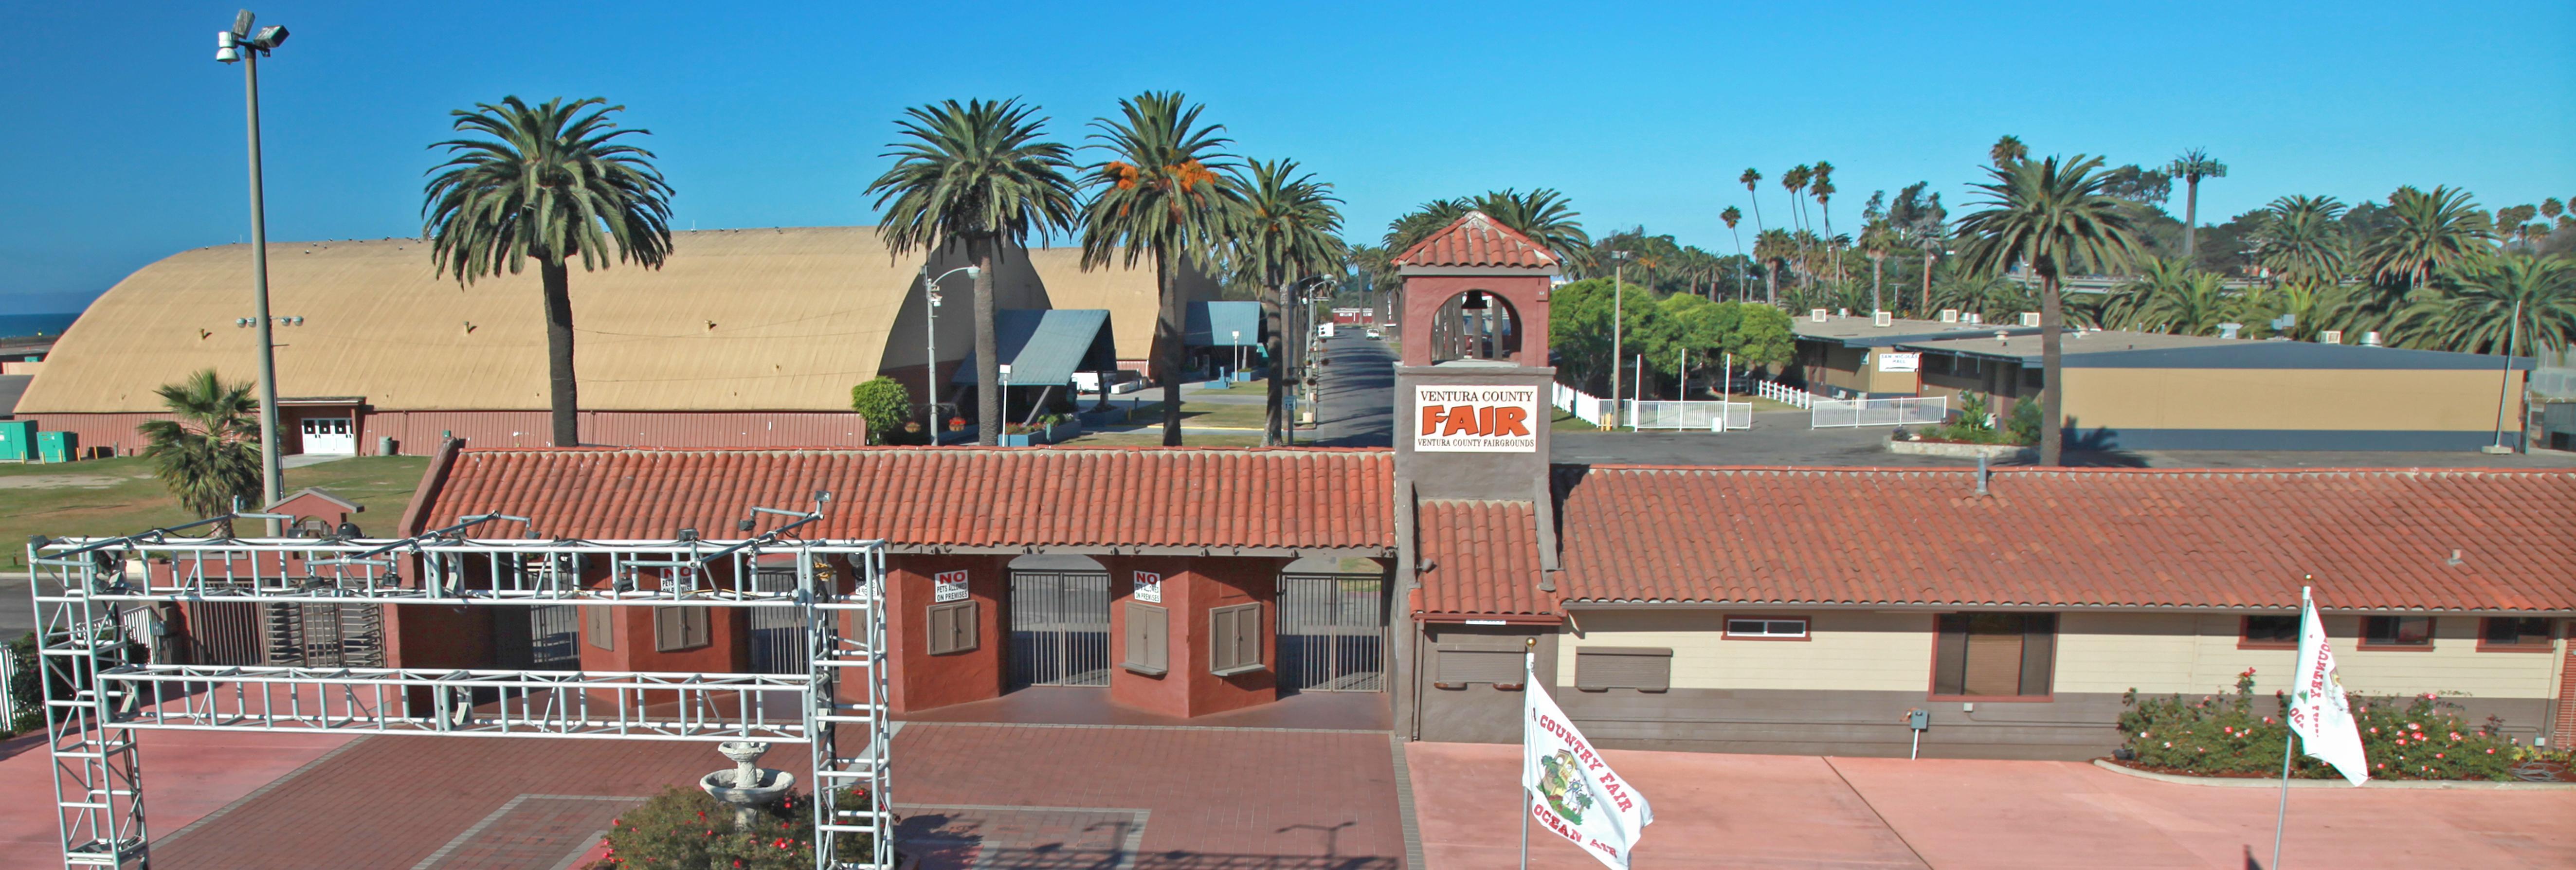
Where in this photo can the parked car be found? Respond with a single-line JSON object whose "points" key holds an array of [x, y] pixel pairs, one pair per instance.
{"points": [[1375, 335], [1119, 382]]}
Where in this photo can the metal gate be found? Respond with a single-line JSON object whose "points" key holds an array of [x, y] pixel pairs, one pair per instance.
{"points": [[1059, 628], [1332, 632], [545, 639], [321, 635], [777, 633]]}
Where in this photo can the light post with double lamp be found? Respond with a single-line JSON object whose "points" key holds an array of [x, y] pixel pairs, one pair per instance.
{"points": [[930, 342], [241, 45], [1618, 324]]}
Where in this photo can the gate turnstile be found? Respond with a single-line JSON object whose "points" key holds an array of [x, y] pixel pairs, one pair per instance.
{"points": [[1059, 628], [1332, 633]]}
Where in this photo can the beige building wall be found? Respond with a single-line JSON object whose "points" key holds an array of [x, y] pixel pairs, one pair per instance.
{"points": [[2412, 400], [2100, 653]]}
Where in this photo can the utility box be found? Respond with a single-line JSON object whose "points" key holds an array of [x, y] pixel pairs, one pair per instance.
{"points": [[17, 440], [57, 446]]}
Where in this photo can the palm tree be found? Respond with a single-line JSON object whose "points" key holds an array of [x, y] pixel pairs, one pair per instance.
{"points": [[1773, 246], [2511, 302], [1820, 184], [1166, 191], [2191, 167], [551, 185], [1752, 181], [1544, 215], [2007, 151], [2052, 216], [1412, 227], [1731, 216], [2441, 229], [208, 451], [1289, 231], [1877, 240], [1795, 182], [980, 176], [2302, 241], [2181, 300]]}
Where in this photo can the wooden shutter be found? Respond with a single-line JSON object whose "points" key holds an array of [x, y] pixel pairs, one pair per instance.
{"points": [[1950, 654], [1234, 639], [667, 629], [1623, 667], [2038, 652], [1994, 656], [599, 624], [1459, 667], [1149, 639], [955, 627], [698, 623]]}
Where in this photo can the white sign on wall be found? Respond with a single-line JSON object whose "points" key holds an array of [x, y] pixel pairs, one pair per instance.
{"points": [[948, 586], [1470, 419], [1149, 587], [1891, 361]]}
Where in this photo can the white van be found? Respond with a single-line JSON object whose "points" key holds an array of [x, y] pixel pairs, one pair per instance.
{"points": [[1324, 329]]}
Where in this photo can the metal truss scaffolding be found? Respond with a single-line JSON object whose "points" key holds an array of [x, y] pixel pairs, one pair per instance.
{"points": [[104, 682]]}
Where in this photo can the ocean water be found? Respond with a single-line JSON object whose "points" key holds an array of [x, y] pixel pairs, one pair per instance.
{"points": [[35, 324]]}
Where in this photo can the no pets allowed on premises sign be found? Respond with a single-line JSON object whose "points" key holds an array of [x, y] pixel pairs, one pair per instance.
{"points": [[1458, 419]]}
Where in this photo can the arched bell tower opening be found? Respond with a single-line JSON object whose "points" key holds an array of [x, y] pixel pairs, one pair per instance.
{"points": [[1476, 325]]}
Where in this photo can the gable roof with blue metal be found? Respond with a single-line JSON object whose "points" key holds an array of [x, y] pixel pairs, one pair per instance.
{"points": [[1222, 324], [1047, 347]]}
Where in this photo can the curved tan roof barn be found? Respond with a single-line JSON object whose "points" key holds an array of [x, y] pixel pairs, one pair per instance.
{"points": [[738, 320]]}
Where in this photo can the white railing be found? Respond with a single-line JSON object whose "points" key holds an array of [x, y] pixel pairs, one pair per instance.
{"points": [[1580, 404], [1897, 411], [1689, 416], [1784, 394]]}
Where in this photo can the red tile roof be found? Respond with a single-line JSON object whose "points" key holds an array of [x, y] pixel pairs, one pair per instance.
{"points": [[1475, 240], [2064, 537], [957, 496], [1484, 561]]}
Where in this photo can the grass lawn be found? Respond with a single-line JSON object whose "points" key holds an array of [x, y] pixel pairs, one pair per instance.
{"points": [[1155, 439], [120, 496], [1200, 414], [1565, 422]]}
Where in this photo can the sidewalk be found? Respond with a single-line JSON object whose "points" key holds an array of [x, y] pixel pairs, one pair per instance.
{"points": [[1803, 811], [190, 776]]}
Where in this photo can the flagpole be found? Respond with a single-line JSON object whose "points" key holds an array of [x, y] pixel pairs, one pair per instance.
{"points": [[1529, 676], [2281, 816]]}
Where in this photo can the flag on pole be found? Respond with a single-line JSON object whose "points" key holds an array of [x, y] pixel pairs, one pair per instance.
{"points": [[1571, 789], [2319, 713]]}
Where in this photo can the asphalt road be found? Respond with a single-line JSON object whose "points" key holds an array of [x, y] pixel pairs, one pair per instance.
{"points": [[1355, 395]]}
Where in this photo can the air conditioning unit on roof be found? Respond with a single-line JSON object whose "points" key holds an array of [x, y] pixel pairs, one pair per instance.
{"points": [[2331, 336], [1949, 315], [1816, 315], [1975, 318], [2030, 318], [1882, 318]]}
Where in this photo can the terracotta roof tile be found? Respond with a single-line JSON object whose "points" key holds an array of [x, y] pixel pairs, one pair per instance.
{"points": [[1484, 558], [958, 496], [1475, 240], [2071, 537]]}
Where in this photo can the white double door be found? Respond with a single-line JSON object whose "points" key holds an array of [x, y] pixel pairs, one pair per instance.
{"points": [[330, 435]]}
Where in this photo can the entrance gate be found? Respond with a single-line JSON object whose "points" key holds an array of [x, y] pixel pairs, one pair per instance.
{"points": [[1332, 633], [777, 636], [1059, 628]]}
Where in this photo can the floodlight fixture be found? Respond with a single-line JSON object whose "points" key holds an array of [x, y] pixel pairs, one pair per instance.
{"points": [[227, 47], [241, 23], [270, 37]]}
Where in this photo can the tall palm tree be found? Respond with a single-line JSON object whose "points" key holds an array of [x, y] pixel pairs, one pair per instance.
{"points": [[1731, 216], [2437, 230], [1774, 248], [1289, 231], [2302, 240], [2007, 151], [208, 451], [1752, 181], [552, 184], [1878, 240], [2053, 216], [1820, 184], [2191, 167], [977, 175], [1795, 182], [2511, 302], [1544, 215], [1166, 191]]}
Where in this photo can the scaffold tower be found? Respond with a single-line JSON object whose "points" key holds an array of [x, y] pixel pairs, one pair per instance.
{"points": [[101, 603]]}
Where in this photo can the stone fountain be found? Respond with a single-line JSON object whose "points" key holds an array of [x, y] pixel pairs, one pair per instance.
{"points": [[746, 786]]}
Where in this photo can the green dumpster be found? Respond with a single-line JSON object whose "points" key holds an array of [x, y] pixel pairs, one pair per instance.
{"points": [[56, 446], [17, 440]]}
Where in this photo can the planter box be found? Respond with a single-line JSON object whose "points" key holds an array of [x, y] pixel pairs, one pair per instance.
{"points": [[1049, 435], [1960, 451]]}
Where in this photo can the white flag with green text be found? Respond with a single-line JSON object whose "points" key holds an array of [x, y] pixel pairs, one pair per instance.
{"points": [[2318, 710], [1571, 790]]}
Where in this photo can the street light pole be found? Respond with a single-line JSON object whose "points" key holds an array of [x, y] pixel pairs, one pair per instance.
{"points": [[1618, 324], [239, 44], [930, 342]]}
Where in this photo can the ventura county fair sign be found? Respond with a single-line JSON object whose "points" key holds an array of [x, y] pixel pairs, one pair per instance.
{"points": [[1476, 419]]}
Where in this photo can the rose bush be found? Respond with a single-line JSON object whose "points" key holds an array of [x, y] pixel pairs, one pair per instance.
{"points": [[2419, 737], [683, 827]]}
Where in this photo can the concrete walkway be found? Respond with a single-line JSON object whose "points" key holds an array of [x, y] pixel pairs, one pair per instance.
{"points": [[1803, 811]]}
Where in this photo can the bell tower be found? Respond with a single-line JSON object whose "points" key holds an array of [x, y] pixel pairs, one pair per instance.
{"points": [[1472, 404]]}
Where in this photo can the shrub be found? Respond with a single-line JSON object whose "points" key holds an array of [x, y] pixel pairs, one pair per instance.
{"points": [[683, 827], [2421, 737], [2025, 422], [885, 404]]}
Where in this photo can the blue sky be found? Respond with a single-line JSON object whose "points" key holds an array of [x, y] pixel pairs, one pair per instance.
{"points": [[128, 137]]}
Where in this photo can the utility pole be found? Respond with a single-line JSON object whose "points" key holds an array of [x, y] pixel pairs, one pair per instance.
{"points": [[1618, 324]]}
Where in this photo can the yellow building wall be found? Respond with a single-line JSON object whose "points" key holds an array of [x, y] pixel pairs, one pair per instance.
{"points": [[2411, 400], [2107, 653]]}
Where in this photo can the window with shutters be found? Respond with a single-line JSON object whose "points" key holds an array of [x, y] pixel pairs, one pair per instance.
{"points": [[1997, 656], [1602, 668], [1234, 639], [679, 628], [1459, 668], [599, 625], [954, 628], [1149, 639]]}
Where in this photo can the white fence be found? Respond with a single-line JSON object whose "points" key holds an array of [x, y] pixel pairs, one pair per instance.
{"points": [[1701, 416], [1784, 394], [1898, 411], [1579, 403]]}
